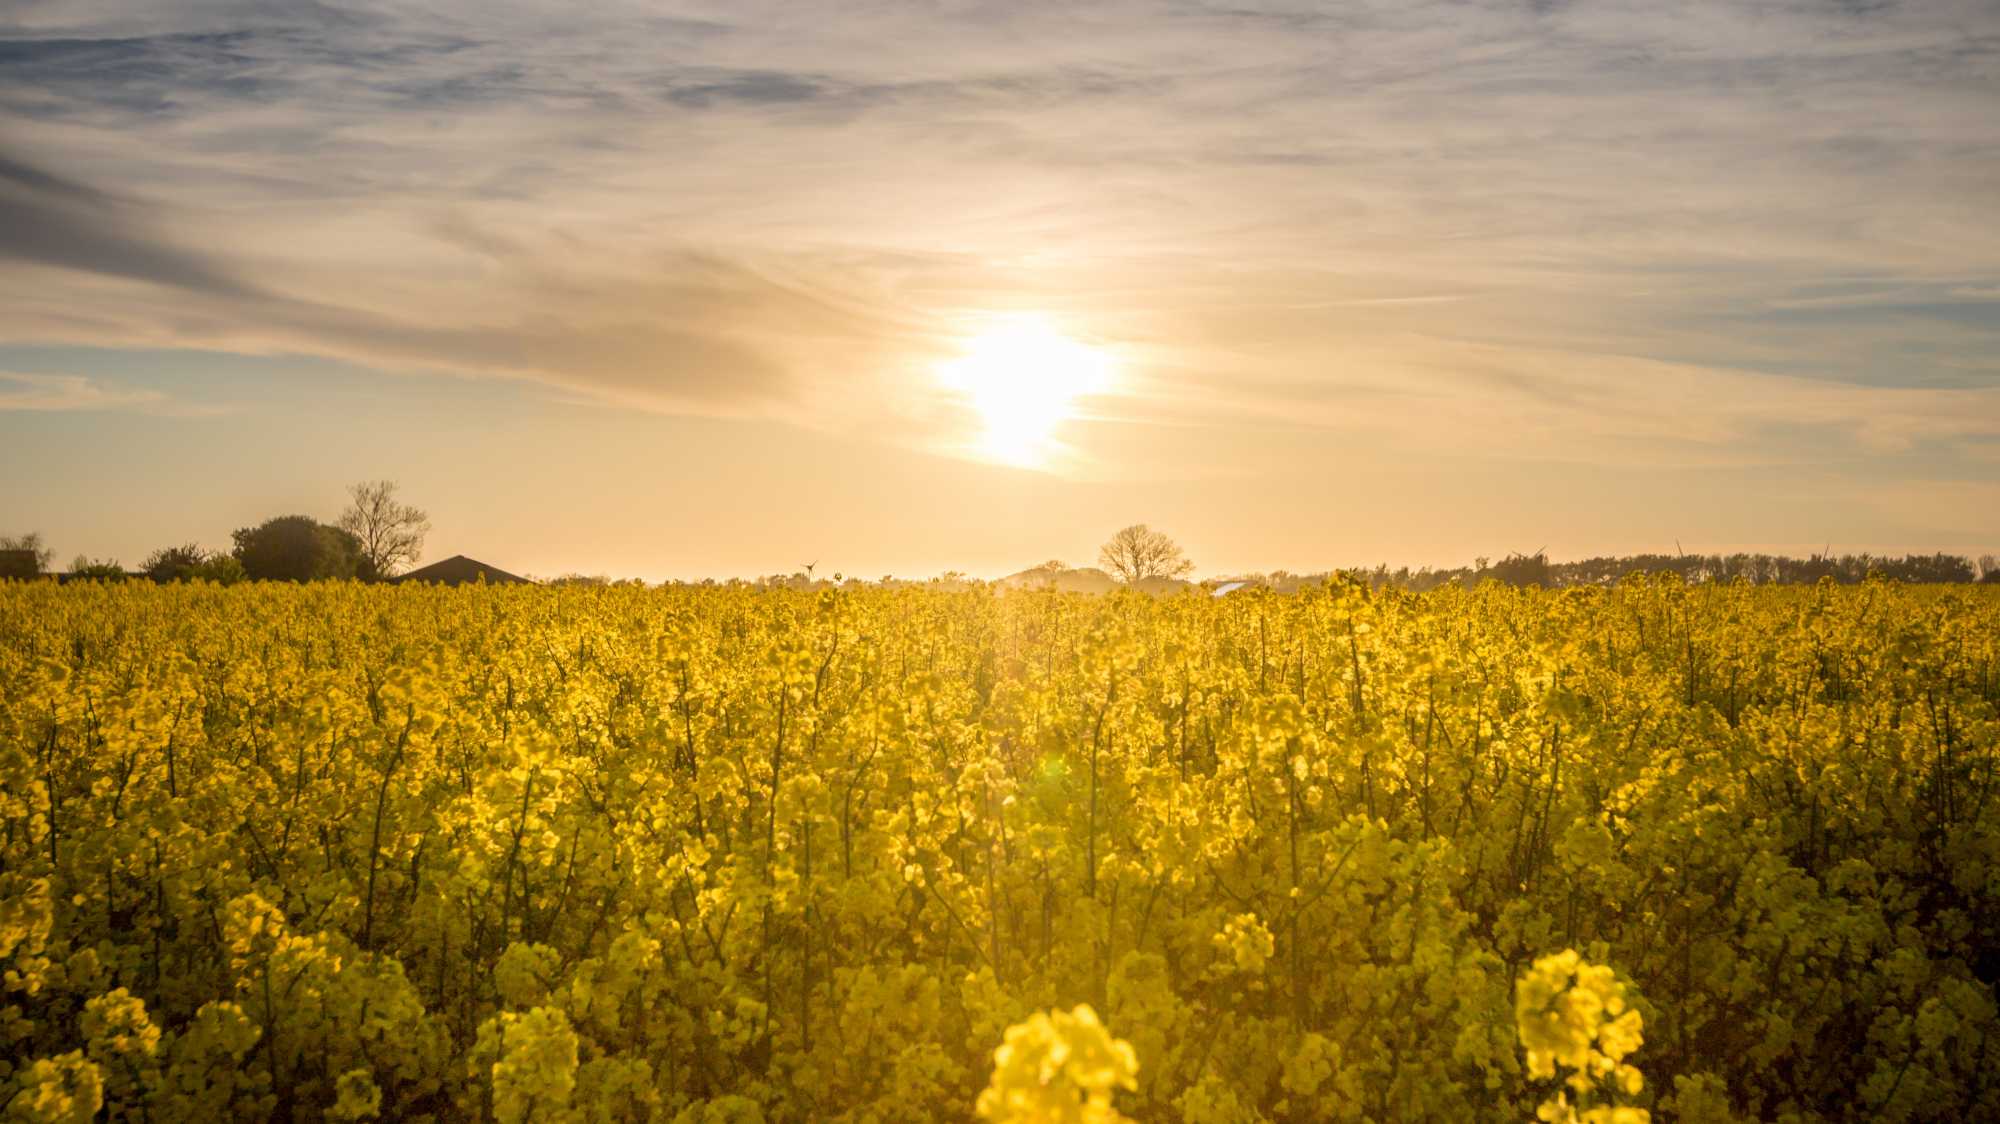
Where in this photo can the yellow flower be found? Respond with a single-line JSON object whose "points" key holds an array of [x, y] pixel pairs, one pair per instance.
{"points": [[1058, 1068]]}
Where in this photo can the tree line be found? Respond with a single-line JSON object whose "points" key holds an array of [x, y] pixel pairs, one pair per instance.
{"points": [[1755, 569], [375, 538]]}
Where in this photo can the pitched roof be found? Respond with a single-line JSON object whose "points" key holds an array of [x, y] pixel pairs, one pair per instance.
{"points": [[458, 569]]}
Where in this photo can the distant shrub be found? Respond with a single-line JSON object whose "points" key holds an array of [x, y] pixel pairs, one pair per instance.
{"points": [[172, 563], [579, 579], [222, 569], [96, 569], [192, 563]]}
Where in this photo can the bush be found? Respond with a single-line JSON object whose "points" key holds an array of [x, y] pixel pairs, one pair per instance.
{"points": [[173, 563], [192, 563], [96, 569], [222, 569]]}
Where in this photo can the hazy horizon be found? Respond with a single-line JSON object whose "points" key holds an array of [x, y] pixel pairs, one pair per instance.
{"points": [[699, 289]]}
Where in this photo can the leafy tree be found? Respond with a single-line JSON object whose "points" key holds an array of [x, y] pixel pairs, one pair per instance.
{"points": [[29, 555], [299, 548], [391, 534], [1136, 552]]}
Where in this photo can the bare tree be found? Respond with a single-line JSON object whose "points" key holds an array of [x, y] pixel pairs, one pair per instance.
{"points": [[1136, 553], [391, 533]]}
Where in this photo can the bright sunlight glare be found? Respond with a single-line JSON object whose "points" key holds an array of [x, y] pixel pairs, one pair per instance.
{"points": [[1022, 380]]}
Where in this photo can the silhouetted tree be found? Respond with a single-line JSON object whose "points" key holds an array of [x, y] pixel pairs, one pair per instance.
{"points": [[1136, 552], [391, 534], [298, 548], [1938, 567]]}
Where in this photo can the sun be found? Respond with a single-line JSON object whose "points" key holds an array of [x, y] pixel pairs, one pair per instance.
{"points": [[1023, 381]]}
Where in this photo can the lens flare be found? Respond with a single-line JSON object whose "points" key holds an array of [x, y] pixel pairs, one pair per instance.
{"points": [[1023, 381]]}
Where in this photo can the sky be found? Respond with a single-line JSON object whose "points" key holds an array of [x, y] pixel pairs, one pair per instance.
{"points": [[711, 289]]}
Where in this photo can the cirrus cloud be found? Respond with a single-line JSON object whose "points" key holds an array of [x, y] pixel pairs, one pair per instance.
{"points": [[1715, 232]]}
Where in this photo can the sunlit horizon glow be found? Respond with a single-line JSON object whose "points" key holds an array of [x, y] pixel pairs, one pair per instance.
{"points": [[698, 288], [1024, 381]]}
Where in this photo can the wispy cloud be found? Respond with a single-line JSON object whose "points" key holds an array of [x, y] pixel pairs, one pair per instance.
{"points": [[1584, 230], [20, 391], [48, 220]]}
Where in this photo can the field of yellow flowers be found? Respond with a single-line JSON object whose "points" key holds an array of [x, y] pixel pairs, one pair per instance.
{"points": [[341, 852]]}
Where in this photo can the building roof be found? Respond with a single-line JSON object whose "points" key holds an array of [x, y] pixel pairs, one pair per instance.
{"points": [[19, 564], [458, 570]]}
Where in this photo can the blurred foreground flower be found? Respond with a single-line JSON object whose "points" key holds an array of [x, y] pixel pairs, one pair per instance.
{"points": [[1573, 1014], [1058, 1068]]}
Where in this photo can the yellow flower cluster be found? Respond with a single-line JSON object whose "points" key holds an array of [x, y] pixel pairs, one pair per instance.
{"points": [[1573, 1014], [1058, 1068], [331, 852], [1248, 943]]}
